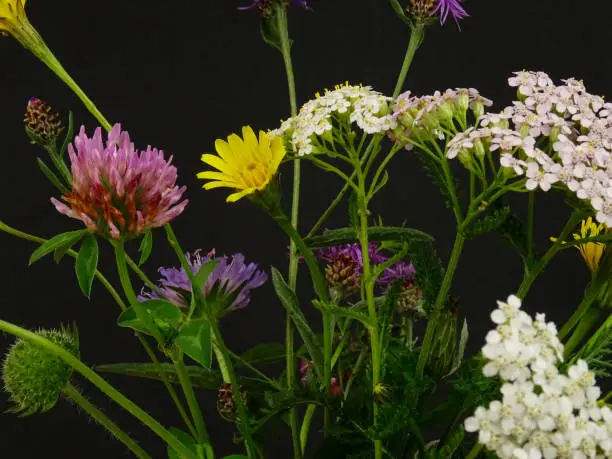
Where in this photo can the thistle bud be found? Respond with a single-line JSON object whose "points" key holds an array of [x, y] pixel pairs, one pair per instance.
{"points": [[34, 378], [42, 121], [226, 404]]}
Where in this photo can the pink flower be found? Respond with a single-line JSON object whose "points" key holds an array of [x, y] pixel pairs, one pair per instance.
{"points": [[118, 191]]}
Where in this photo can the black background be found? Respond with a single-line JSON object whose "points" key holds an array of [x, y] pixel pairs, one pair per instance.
{"points": [[179, 74]]}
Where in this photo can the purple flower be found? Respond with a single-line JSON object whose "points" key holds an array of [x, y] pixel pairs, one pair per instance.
{"points": [[230, 282], [118, 191], [452, 7]]}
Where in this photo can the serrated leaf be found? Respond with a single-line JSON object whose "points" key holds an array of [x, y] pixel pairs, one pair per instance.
{"points": [[399, 11], [54, 179], [513, 231], [55, 242], [493, 221], [378, 234], [203, 378], [185, 439], [165, 315], [195, 340], [291, 303], [146, 246], [87, 263], [435, 172], [264, 353]]}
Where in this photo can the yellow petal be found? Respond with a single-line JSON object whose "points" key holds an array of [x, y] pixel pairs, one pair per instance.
{"points": [[241, 194], [217, 163], [225, 152], [211, 185], [250, 139], [217, 176]]}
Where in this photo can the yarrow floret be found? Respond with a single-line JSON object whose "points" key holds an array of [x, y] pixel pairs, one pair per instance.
{"points": [[542, 413], [359, 105], [571, 128]]}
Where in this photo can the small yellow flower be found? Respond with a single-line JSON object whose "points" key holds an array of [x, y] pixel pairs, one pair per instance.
{"points": [[590, 251], [12, 14], [244, 164]]}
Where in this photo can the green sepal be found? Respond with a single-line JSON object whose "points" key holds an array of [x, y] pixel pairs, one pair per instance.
{"points": [[264, 353], [87, 263], [146, 246], [185, 439], [270, 31], [195, 340], [291, 303], [378, 233], [57, 241], [165, 315], [399, 11]]}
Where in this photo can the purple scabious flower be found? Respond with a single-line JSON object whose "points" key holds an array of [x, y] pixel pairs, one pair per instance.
{"points": [[452, 7], [230, 282], [118, 191]]}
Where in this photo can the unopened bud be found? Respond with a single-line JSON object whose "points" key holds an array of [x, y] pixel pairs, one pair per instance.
{"points": [[42, 121], [478, 110], [479, 149]]}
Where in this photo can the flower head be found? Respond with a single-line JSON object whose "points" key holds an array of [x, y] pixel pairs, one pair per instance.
{"points": [[12, 14], [118, 191], [265, 7], [590, 251], [245, 164], [228, 286], [452, 7]]}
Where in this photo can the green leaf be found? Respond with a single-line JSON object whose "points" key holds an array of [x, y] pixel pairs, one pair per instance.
{"points": [[399, 11], [185, 439], [195, 340], [54, 179], [291, 303], [490, 222], [343, 312], [69, 135], [59, 253], [146, 245], [264, 353], [428, 271], [87, 263], [513, 231], [164, 314], [270, 31], [203, 378], [236, 456], [55, 242], [378, 233], [204, 273]]}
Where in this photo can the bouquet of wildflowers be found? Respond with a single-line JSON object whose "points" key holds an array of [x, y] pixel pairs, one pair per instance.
{"points": [[385, 370]]}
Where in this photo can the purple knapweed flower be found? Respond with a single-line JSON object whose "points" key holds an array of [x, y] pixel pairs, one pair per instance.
{"points": [[229, 284], [452, 7], [118, 191]]}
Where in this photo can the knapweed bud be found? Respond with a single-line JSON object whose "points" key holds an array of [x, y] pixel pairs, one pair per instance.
{"points": [[225, 402], [410, 301], [34, 378], [422, 11], [42, 121], [342, 273]]}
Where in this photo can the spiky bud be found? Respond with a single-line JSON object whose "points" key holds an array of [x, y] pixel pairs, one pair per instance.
{"points": [[421, 11], [42, 121], [342, 273], [410, 301], [226, 404], [34, 378]]}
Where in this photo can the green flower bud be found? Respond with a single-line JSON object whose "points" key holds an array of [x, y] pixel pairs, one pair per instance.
{"points": [[406, 119], [554, 133], [478, 110], [507, 172], [524, 130], [445, 344], [445, 112], [462, 102], [479, 149], [465, 156], [34, 378]]}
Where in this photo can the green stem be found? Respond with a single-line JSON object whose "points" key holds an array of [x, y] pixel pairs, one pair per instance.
{"points": [[354, 372], [237, 394], [440, 300], [192, 401], [588, 299], [42, 52], [416, 38], [475, 451], [254, 369], [126, 283], [306, 422], [73, 394], [222, 364], [143, 277], [530, 222], [584, 327], [100, 383], [30, 237]]}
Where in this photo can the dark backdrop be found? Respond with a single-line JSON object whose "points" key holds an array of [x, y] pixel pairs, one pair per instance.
{"points": [[179, 74]]}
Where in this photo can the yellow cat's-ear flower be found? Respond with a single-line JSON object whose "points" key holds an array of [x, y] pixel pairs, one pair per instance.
{"points": [[590, 251], [13, 18], [246, 164]]}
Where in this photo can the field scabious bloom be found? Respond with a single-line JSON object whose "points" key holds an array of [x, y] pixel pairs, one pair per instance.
{"points": [[118, 191], [246, 164], [230, 282]]}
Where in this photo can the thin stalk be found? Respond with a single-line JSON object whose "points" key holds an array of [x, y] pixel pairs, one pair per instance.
{"points": [[74, 395], [416, 38], [222, 364], [585, 304], [530, 221], [101, 384], [143, 277], [242, 412], [589, 319], [192, 401], [109, 287], [475, 451], [255, 370], [306, 422], [441, 298], [354, 372]]}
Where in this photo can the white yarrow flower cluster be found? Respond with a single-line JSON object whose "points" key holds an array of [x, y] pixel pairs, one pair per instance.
{"points": [[543, 413], [573, 126], [368, 109]]}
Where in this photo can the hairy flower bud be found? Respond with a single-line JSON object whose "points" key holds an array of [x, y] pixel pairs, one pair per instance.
{"points": [[421, 11], [225, 402], [42, 121], [34, 378]]}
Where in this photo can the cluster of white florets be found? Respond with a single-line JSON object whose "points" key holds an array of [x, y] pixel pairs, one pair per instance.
{"points": [[543, 413], [361, 105], [551, 135]]}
